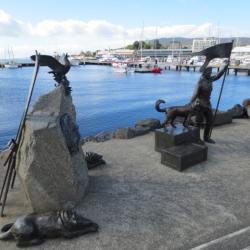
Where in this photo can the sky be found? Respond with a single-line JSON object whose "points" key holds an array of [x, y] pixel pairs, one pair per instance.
{"points": [[79, 25]]}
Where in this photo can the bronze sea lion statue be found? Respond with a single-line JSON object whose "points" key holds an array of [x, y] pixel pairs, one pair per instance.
{"points": [[33, 229]]}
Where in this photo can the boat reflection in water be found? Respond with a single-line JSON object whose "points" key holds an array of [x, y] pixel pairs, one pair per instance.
{"points": [[120, 67]]}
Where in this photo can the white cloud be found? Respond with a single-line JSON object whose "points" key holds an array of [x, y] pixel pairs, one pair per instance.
{"points": [[9, 26], [75, 35]]}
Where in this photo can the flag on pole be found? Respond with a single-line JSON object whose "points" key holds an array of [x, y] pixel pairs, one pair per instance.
{"points": [[222, 50]]}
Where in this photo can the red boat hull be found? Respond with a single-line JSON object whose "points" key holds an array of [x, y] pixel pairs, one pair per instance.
{"points": [[156, 70]]}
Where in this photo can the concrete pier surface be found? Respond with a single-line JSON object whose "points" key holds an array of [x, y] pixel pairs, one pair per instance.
{"points": [[141, 204]]}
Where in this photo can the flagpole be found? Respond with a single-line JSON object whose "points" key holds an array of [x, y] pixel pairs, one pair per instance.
{"points": [[221, 89], [218, 102]]}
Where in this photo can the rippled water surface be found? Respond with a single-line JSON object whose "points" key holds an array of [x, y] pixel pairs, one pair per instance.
{"points": [[106, 100]]}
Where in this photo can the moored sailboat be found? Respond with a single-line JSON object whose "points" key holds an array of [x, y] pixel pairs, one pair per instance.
{"points": [[11, 64]]}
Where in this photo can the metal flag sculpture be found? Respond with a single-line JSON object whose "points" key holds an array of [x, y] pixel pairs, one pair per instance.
{"points": [[228, 49], [14, 146], [222, 50]]}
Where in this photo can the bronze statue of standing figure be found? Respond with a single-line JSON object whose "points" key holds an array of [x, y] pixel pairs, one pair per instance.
{"points": [[202, 95], [200, 105]]}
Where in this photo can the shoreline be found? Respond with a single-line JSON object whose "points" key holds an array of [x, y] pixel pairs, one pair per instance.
{"points": [[147, 125]]}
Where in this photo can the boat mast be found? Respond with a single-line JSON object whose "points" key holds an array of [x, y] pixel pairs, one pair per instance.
{"points": [[142, 38], [155, 48], [173, 49], [9, 55]]}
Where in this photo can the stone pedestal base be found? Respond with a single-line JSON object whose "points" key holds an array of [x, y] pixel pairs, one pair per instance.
{"points": [[183, 156], [169, 136], [180, 147]]}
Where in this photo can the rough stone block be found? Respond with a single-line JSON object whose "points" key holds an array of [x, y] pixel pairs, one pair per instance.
{"points": [[103, 136], [237, 111], [169, 137], [246, 105], [246, 102], [184, 156], [124, 133], [248, 111], [223, 118], [149, 123], [140, 130], [50, 162]]}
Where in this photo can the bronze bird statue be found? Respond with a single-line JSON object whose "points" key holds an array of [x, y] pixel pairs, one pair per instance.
{"points": [[59, 68]]}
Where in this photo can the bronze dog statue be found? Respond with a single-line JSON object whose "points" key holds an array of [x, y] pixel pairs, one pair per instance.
{"points": [[33, 229], [172, 113]]}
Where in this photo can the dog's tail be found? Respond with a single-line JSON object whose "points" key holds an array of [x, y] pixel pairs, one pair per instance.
{"points": [[157, 106], [5, 233]]}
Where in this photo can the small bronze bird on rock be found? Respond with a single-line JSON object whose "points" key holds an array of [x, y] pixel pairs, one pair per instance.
{"points": [[59, 68]]}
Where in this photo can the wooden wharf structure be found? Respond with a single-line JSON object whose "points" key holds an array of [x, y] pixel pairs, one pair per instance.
{"points": [[177, 67], [20, 65], [235, 69]]}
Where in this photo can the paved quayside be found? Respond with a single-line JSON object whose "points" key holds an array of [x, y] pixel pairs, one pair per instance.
{"points": [[141, 204]]}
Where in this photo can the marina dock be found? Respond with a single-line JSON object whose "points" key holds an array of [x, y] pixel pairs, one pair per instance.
{"points": [[234, 69], [20, 65], [95, 62], [178, 67]]}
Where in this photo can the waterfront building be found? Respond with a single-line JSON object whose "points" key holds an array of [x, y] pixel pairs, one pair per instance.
{"points": [[241, 52], [175, 45], [126, 53], [201, 44], [165, 53], [241, 55]]}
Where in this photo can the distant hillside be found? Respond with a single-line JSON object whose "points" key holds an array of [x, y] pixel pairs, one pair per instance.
{"points": [[174, 42], [188, 41], [184, 41]]}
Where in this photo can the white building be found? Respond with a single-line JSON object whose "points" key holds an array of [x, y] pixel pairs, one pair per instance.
{"points": [[241, 55], [117, 52], [201, 44], [240, 52], [174, 53]]}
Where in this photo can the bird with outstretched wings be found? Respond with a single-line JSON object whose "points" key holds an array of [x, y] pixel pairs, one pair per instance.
{"points": [[59, 68]]}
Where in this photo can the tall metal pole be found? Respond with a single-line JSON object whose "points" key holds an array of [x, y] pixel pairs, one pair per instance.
{"points": [[9, 178], [221, 89], [218, 102]]}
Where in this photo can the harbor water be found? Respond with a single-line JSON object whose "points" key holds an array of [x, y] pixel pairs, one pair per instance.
{"points": [[106, 100]]}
